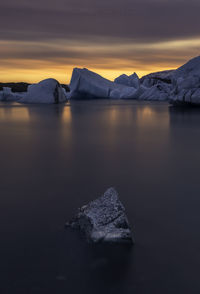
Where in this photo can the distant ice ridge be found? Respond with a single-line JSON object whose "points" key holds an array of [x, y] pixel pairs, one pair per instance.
{"points": [[130, 81]]}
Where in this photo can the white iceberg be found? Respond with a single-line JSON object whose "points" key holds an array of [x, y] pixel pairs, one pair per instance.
{"points": [[47, 91], [87, 84], [130, 81]]}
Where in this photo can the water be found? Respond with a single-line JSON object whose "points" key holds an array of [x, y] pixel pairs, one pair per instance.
{"points": [[56, 158]]}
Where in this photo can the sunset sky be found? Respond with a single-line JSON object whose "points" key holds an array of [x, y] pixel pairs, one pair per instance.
{"points": [[47, 38]]}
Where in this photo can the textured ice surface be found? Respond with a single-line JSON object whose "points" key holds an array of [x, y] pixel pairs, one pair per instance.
{"points": [[180, 86], [87, 84], [104, 219], [191, 68], [159, 92], [186, 83], [130, 81], [8, 95], [47, 91], [156, 78]]}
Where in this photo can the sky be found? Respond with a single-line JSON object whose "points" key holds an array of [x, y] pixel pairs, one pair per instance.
{"points": [[48, 38]]}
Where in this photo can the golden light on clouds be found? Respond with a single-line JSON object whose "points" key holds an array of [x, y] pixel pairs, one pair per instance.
{"points": [[34, 61]]}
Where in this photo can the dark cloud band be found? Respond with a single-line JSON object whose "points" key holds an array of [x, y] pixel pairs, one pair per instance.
{"points": [[136, 20]]}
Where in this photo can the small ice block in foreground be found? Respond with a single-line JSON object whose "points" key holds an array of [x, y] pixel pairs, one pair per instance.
{"points": [[104, 220]]}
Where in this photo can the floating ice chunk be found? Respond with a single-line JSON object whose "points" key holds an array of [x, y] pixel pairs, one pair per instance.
{"points": [[87, 84], [130, 81], [47, 91], [104, 219]]}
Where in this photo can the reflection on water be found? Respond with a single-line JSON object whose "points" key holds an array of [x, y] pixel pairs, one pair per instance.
{"points": [[187, 116], [149, 117], [55, 158], [20, 114], [117, 116], [67, 116]]}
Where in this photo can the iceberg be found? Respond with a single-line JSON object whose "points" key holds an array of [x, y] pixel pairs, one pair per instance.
{"points": [[104, 220], [87, 84], [180, 86], [157, 78], [191, 68], [8, 95], [47, 91], [186, 84], [130, 81], [158, 92]]}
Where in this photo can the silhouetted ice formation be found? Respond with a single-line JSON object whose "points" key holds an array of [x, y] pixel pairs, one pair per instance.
{"points": [[104, 220], [179, 87]]}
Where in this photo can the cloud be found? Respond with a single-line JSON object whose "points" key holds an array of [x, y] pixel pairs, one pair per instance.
{"points": [[142, 20], [110, 37]]}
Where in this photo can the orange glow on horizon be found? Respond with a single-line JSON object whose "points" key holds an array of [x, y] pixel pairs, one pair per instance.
{"points": [[63, 74], [34, 61]]}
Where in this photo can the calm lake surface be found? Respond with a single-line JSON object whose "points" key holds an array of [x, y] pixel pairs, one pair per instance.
{"points": [[54, 159]]}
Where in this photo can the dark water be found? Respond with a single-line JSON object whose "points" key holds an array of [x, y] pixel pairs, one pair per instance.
{"points": [[54, 159]]}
